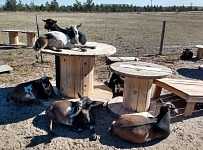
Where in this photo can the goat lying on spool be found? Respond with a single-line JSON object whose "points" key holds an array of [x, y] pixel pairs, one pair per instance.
{"points": [[72, 32], [76, 114], [36, 90], [55, 40], [139, 128]]}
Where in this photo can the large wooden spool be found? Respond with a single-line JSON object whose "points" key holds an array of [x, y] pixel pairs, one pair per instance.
{"points": [[76, 75]]}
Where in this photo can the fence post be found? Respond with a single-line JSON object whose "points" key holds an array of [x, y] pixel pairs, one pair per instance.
{"points": [[162, 37]]}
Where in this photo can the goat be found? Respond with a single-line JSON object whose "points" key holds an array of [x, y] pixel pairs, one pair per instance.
{"points": [[53, 40], [116, 84], [139, 128], [72, 32], [78, 115], [36, 90], [186, 54]]}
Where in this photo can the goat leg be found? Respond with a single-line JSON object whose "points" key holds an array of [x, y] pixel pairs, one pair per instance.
{"points": [[50, 129], [92, 130]]}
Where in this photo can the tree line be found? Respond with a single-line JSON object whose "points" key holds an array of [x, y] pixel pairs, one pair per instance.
{"points": [[90, 6]]}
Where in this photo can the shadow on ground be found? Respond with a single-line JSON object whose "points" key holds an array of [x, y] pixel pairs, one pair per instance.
{"points": [[191, 73], [104, 119], [9, 113]]}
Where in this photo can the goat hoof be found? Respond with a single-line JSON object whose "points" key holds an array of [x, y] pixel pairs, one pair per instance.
{"points": [[95, 137]]}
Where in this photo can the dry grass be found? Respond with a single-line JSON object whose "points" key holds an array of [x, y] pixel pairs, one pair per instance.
{"points": [[133, 35]]}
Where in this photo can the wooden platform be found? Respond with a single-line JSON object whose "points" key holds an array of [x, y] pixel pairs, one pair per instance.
{"points": [[190, 90], [101, 93], [115, 105]]}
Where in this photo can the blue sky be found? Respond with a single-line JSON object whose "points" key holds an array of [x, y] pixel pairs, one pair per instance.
{"points": [[134, 2]]}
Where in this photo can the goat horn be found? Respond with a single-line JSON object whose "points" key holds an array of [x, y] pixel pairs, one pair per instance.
{"points": [[161, 101], [74, 115]]}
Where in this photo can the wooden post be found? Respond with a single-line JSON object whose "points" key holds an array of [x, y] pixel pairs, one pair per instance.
{"points": [[76, 75], [162, 37], [137, 94], [37, 26], [57, 68], [199, 53], [13, 38], [31, 38]]}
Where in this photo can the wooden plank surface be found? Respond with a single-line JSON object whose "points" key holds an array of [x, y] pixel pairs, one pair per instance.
{"points": [[192, 88], [138, 69], [101, 49]]}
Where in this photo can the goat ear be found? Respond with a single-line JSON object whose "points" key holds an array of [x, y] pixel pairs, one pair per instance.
{"points": [[55, 21], [79, 25], [43, 20], [79, 95]]}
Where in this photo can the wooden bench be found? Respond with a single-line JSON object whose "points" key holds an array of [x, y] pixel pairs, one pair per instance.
{"points": [[190, 90], [199, 51], [13, 38]]}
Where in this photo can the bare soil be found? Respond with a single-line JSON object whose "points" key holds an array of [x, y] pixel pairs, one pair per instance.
{"points": [[25, 127]]}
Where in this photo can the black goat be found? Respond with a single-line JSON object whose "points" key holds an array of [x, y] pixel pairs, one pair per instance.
{"points": [[139, 128], [116, 84], [72, 32], [186, 54], [76, 114]]}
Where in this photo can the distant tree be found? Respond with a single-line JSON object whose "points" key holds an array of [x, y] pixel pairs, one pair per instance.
{"points": [[89, 5], [20, 6], [10, 5], [47, 5], [42, 8], [77, 6], [54, 6]]}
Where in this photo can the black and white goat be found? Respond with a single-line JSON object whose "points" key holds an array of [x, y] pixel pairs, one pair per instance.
{"points": [[35, 90], [53, 40], [142, 127], [76, 114], [72, 32]]}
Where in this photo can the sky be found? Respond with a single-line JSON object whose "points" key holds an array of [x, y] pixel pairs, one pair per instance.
{"points": [[134, 2]]}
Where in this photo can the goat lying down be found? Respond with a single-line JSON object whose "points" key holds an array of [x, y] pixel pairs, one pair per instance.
{"points": [[76, 114], [36, 90], [140, 128], [53, 40], [72, 31]]}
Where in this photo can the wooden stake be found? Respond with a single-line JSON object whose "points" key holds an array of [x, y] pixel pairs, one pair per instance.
{"points": [[162, 37]]}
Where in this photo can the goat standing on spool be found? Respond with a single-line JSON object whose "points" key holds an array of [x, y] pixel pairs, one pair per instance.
{"points": [[36, 90], [76, 114], [139, 128]]}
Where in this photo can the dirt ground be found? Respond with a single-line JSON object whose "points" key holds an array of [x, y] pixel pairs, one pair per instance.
{"points": [[25, 127]]}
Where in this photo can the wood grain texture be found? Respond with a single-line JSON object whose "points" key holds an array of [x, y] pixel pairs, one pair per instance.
{"points": [[101, 49], [138, 69]]}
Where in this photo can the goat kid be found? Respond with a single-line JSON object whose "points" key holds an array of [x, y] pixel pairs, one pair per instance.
{"points": [[76, 114], [36, 90], [116, 84], [72, 32], [142, 127]]}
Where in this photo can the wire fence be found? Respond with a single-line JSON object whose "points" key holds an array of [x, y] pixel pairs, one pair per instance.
{"points": [[131, 33]]}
